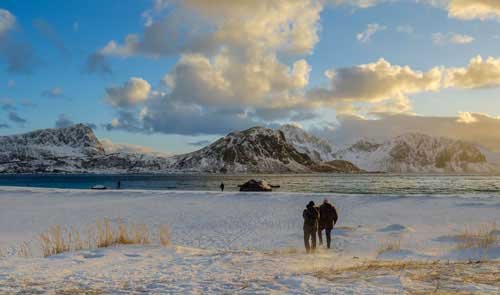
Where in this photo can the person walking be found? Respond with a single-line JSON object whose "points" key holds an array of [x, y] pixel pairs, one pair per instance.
{"points": [[311, 217], [328, 218], [221, 186]]}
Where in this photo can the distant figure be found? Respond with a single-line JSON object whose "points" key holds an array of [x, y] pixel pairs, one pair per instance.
{"points": [[311, 217], [328, 218], [119, 184], [221, 186]]}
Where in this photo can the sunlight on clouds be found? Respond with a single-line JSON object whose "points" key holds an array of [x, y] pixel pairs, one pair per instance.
{"points": [[474, 9], [451, 38], [134, 91], [466, 118], [480, 73], [378, 82]]}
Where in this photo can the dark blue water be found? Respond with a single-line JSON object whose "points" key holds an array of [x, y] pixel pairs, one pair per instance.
{"points": [[330, 183]]}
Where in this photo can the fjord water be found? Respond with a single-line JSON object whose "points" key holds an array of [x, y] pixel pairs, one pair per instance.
{"points": [[318, 183]]}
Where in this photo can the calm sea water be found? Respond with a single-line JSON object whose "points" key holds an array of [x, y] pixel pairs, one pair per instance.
{"points": [[324, 183]]}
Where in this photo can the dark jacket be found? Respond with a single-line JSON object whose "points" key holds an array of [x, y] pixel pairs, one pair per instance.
{"points": [[311, 218], [328, 216]]}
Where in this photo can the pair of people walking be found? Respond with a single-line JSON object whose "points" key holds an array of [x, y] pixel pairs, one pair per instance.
{"points": [[317, 219]]}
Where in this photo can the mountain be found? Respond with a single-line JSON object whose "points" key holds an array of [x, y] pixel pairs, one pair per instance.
{"points": [[288, 149], [316, 148], [415, 152], [255, 150], [71, 149]]}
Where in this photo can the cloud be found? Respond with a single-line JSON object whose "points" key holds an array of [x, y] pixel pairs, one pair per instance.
{"points": [[97, 63], [472, 127], [63, 121], [230, 74], [3, 125], [198, 26], [357, 3], [111, 147], [133, 92], [371, 30], [19, 56], [49, 32], [53, 93], [379, 83], [474, 9], [11, 83], [14, 117], [468, 9], [199, 143], [7, 21], [451, 38], [480, 73]]}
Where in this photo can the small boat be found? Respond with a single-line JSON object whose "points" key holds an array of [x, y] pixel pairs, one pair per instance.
{"points": [[256, 186], [99, 187]]}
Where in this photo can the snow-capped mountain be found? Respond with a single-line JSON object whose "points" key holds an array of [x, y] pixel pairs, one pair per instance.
{"points": [[416, 152], [71, 149], [316, 148], [253, 150]]}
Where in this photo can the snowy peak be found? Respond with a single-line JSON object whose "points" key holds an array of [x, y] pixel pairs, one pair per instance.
{"points": [[256, 149], [415, 152], [77, 138], [316, 148]]}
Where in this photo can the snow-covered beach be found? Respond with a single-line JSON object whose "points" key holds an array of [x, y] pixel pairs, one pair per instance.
{"points": [[248, 243]]}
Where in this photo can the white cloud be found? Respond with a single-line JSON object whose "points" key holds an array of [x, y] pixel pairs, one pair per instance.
{"points": [[7, 21], [379, 83], [451, 38], [371, 30], [132, 92], [357, 3], [111, 147], [480, 73], [468, 9], [474, 9]]}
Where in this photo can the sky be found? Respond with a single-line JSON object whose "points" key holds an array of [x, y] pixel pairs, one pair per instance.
{"points": [[175, 75]]}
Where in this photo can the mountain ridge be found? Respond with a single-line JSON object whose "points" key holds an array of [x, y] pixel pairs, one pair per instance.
{"points": [[288, 149]]}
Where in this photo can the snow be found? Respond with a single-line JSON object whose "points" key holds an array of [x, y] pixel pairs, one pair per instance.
{"points": [[233, 242]]}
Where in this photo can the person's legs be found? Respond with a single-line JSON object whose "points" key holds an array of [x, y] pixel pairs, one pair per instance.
{"points": [[307, 233], [328, 233], [320, 236], [313, 238]]}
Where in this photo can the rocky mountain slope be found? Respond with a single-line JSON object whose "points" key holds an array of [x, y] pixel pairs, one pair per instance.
{"points": [[71, 149], [416, 152], [317, 149], [255, 150]]}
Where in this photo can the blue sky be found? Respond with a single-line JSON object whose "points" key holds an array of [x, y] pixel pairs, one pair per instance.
{"points": [[59, 36]]}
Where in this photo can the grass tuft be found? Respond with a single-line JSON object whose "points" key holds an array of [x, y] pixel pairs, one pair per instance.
{"points": [[165, 237], [481, 237], [104, 233], [389, 246]]}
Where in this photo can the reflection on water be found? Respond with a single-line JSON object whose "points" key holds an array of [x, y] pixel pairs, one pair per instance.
{"points": [[330, 183]]}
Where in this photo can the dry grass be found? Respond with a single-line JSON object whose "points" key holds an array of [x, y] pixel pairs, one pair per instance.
{"points": [[285, 251], [164, 234], [420, 277], [24, 250], [104, 233], [481, 237], [388, 246]]}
